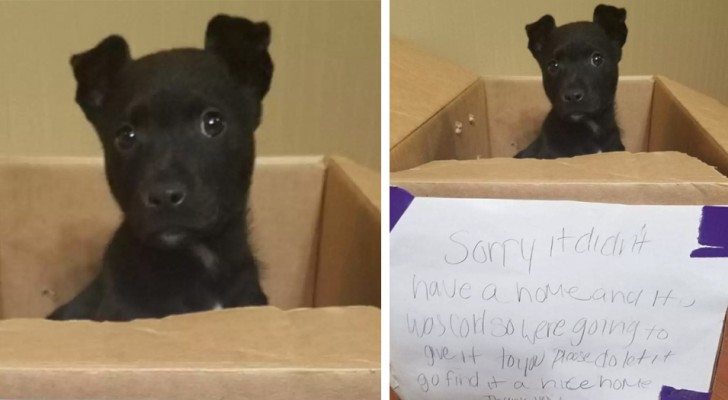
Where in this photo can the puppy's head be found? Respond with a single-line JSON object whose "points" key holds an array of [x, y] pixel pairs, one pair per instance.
{"points": [[177, 127], [579, 60]]}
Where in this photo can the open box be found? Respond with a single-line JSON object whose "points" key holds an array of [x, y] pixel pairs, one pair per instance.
{"points": [[453, 134], [440, 111], [315, 225]]}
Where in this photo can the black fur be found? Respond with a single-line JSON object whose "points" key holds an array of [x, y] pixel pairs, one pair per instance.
{"points": [[177, 133], [579, 65]]}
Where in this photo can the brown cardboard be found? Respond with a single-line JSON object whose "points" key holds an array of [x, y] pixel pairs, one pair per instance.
{"points": [[314, 223], [675, 138], [418, 93], [625, 178], [345, 270], [251, 353], [437, 138], [431, 83], [688, 121], [63, 204], [288, 190]]}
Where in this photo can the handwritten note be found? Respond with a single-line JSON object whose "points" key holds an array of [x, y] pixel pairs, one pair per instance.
{"points": [[505, 300]]}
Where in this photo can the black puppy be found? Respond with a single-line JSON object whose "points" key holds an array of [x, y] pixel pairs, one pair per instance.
{"points": [[579, 66], [177, 132]]}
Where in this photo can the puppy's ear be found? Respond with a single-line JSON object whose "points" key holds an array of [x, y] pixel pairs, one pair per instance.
{"points": [[243, 45], [95, 69], [538, 33], [611, 19]]}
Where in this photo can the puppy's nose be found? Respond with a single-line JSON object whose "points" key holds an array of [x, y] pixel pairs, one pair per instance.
{"points": [[165, 195], [573, 96]]}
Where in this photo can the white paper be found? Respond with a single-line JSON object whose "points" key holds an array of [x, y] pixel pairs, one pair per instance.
{"points": [[588, 301]]}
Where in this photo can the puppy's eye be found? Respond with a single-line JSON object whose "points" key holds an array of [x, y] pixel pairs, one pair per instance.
{"points": [[597, 59], [553, 66], [212, 123], [126, 138]]}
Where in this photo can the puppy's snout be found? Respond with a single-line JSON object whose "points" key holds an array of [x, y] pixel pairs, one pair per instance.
{"points": [[167, 195], [573, 96]]}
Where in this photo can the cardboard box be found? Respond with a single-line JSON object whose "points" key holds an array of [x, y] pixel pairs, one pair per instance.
{"points": [[498, 116], [453, 134], [315, 223]]}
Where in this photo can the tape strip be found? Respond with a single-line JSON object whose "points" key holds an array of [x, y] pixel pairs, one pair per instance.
{"points": [[670, 393], [713, 233], [399, 200]]}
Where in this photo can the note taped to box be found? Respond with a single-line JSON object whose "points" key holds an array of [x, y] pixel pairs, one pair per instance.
{"points": [[513, 299]]}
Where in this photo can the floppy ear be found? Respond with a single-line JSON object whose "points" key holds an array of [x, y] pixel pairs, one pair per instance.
{"points": [[243, 45], [538, 32], [611, 19], [95, 69]]}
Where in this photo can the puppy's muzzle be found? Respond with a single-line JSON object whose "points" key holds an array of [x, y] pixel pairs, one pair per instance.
{"points": [[572, 96], [164, 196]]}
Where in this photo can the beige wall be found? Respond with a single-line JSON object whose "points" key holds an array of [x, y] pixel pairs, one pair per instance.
{"points": [[684, 40], [325, 96]]}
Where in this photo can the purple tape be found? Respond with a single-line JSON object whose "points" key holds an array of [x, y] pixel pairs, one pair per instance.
{"points": [[670, 393], [713, 233], [399, 200]]}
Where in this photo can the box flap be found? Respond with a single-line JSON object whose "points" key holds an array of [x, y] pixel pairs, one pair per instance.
{"points": [[621, 177], [711, 114], [366, 182], [421, 85], [349, 269], [615, 167], [285, 209], [459, 131], [205, 355], [689, 121], [237, 338]]}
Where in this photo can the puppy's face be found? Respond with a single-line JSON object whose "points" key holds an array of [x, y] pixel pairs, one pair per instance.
{"points": [[579, 61], [177, 128]]}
